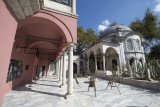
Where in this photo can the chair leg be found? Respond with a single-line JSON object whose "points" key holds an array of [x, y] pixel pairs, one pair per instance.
{"points": [[118, 89], [95, 91], [107, 86], [88, 89]]}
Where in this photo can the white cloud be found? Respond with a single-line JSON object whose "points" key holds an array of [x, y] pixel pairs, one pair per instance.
{"points": [[157, 7], [158, 1], [104, 25], [106, 22]]}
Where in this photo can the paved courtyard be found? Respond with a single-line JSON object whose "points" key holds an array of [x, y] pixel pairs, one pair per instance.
{"points": [[46, 93]]}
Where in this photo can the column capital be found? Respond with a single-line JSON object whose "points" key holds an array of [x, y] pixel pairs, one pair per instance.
{"points": [[71, 44]]}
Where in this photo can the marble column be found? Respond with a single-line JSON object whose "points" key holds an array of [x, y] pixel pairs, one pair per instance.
{"points": [[104, 62], [70, 69], [57, 68], [61, 66], [88, 70], [130, 69], [64, 70], [135, 66], [96, 63], [73, 6]]}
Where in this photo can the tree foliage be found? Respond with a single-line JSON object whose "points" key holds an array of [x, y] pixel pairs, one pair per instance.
{"points": [[155, 52], [113, 24], [148, 27], [85, 39]]}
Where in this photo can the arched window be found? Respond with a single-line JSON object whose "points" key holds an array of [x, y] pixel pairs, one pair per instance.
{"points": [[131, 61], [129, 44]]}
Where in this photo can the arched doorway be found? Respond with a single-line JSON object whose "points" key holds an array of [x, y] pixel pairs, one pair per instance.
{"points": [[112, 58], [92, 62], [74, 68], [131, 61], [99, 59], [141, 62], [81, 67], [114, 64]]}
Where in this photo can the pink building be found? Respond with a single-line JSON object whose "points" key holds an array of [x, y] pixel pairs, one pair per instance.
{"points": [[32, 33]]}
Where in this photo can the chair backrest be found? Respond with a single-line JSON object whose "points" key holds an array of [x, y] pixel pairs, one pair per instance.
{"points": [[108, 73]]}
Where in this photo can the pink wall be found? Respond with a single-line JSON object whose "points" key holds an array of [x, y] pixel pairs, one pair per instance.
{"points": [[8, 26], [18, 54]]}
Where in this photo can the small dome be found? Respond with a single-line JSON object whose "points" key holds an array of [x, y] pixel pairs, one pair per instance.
{"points": [[113, 29]]}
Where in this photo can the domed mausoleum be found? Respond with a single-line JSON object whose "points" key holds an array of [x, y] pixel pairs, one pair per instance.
{"points": [[118, 45]]}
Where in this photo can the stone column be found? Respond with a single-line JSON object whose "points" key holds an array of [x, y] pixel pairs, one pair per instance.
{"points": [[88, 70], [73, 6], [104, 62], [64, 70], [148, 74], [130, 69], [70, 69], [57, 68], [135, 66], [61, 66], [96, 63]]}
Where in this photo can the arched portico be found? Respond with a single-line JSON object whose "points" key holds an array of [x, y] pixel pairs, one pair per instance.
{"points": [[112, 58], [92, 62], [99, 59]]}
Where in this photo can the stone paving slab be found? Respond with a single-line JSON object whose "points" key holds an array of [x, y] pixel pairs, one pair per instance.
{"points": [[46, 93]]}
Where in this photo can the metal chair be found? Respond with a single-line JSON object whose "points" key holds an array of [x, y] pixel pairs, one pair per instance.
{"points": [[75, 77], [92, 84], [112, 80]]}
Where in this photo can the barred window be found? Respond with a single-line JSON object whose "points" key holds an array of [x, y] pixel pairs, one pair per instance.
{"points": [[129, 44], [138, 45]]}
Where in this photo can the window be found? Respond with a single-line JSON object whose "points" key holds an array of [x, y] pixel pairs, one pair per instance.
{"points": [[27, 67], [129, 44], [131, 61], [66, 2], [138, 45]]}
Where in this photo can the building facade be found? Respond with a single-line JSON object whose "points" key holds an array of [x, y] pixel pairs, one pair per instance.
{"points": [[33, 33], [117, 46]]}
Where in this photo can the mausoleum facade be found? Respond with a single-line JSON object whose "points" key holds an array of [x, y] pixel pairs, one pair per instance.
{"points": [[118, 45]]}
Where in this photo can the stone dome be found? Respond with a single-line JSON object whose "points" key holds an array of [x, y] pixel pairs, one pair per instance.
{"points": [[113, 29]]}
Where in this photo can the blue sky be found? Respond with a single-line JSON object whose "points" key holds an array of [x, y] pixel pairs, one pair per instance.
{"points": [[98, 14]]}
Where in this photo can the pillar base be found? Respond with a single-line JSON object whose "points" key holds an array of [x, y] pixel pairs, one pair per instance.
{"points": [[58, 81], [61, 85], [69, 96]]}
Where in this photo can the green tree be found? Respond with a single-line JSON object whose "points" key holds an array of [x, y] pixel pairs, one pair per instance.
{"points": [[155, 52], [136, 25], [85, 39], [148, 27], [113, 24]]}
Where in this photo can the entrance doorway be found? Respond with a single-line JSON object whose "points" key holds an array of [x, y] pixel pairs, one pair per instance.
{"points": [[42, 72], [74, 68]]}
